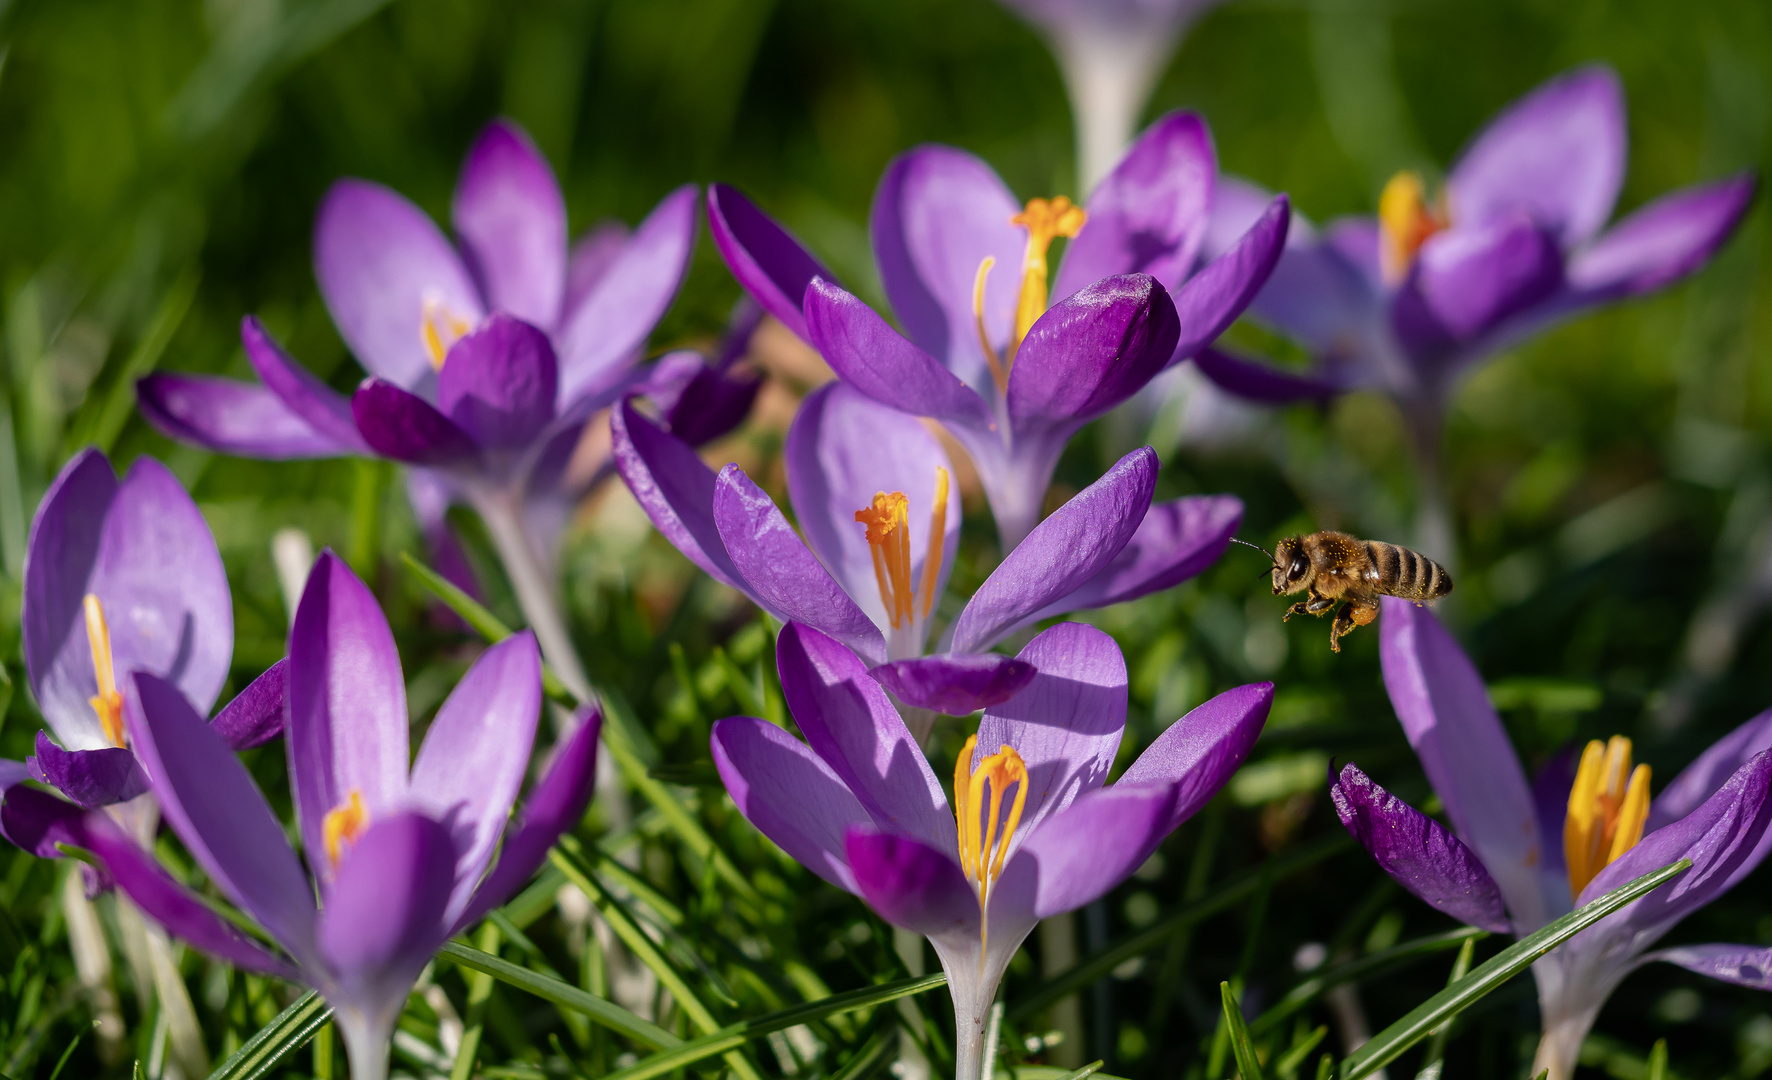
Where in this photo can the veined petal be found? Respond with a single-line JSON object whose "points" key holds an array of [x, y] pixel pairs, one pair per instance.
{"points": [[512, 223], [406, 427], [955, 684], [772, 266], [1207, 303], [232, 417], [881, 363], [384, 916], [326, 410], [1175, 541], [1199, 753], [675, 489], [1743, 965], [911, 884], [1084, 850], [91, 778], [789, 793], [1093, 350], [1664, 241], [257, 713], [498, 383]]}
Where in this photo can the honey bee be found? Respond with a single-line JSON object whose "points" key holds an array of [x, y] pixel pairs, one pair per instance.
{"points": [[1336, 567]]}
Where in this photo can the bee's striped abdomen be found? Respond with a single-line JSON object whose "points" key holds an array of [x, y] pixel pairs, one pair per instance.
{"points": [[1407, 574]]}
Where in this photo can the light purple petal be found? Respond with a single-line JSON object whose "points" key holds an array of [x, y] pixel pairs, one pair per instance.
{"points": [[789, 794], [257, 713], [474, 756], [406, 427], [498, 383], [1260, 382], [1084, 850], [211, 802], [1149, 215], [1446, 715], [1710, 771], [911, 884], [881, 363], [609, 328], [675, 488], [347, 705], [326, 410], [1418, 852], [512, 223], [1743, 965], [772, 266], [1550, 800], [1175, 541], [1468, 280], [1664, 241], [1557, 154], [1093, 350], [850, 723], [592, 256], [1200, 752], [779, 569], [1062, 553], [380, 261], [384, 914], [231, 417], [1211, 300], [955, 684], [13, 772], [91, 778]]}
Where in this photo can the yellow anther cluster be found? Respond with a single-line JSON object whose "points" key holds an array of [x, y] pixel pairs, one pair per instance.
{"points": [[1405, 220], [343, 824], [107, 703], [1607, 808], [984, 838], [440, 328], [1045, 220], [889, 536]]}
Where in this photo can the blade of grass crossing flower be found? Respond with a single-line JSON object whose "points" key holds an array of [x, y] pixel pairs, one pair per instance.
{"points": [[1241, 1048], [1363, 967], [1434, 1060], [284, 1035], [1390, 1043], [479, 992], [562, 994]]}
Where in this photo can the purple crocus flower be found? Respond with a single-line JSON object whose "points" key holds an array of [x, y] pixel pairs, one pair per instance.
{"points": [[965, 266], [881, 523], [1519, 855], [1036, 832], [399, 854]]}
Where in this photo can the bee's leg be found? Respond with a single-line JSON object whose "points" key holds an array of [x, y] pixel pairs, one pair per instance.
{"points": [[1363, 614], [1344, 623], [1318, 604], [1296, 609]]}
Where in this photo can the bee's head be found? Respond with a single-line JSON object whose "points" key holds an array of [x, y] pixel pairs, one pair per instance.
{"points": [[1291, 565]]}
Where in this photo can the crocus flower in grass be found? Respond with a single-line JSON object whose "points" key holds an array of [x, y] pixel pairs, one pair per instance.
{"points": [[880, 524], [1031, 830], [1519, 855], [398, 851], [966, 267]]}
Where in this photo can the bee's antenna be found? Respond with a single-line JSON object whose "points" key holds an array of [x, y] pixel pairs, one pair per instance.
{"points": [[1247, 544]]}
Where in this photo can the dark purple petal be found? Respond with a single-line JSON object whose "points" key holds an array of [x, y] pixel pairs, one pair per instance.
{"points": [[1556, 154], [1084, 850], [384, 915], [380, 262], [592, 256], [512, 223], [911, 884], [699, 401], [1262, 383], [1418, 852], [1743, 965], [1664, 241], [883, 364], [675, 488], [789, 794], [1200, 752], [326, 410], [347, 705], [36, 821], [1467, 281], [92, 778], [850, 723], [1149, 215], [1062, 553], [1211, 300], [1175, 541], [1093, 350], [779, 569], [1550, 800], [231, 417], [408, 428], [498, 383], [955, 684], [772, 266], [257, 713]]}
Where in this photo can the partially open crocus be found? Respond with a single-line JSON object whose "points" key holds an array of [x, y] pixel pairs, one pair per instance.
{"points": [[399, 851], [967, 267], [1519, 855], [879, 527], [1031, 831]]}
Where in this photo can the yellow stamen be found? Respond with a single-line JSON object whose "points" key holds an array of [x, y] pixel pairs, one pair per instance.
{"points": [[998, 373], [1405, 221], [984, 840], [1608, 805], [938, 527], [440, 328], [888, 531], [108, 703], [343, 825], [1045, 220]]}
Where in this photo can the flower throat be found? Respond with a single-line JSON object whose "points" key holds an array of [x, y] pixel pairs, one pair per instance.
{"points": [[984, 837], [1607, 807], [1405, 222], [1045, 220]]}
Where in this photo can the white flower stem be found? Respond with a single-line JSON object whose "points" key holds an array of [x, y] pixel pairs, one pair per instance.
{"points": [[367, 1047], [502, 511]]}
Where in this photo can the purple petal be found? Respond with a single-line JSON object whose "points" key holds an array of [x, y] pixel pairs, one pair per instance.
{"points": [[231, 417], [955, 684], [937, 214], [1664, 241], [911, 884], [380, 261], [881, 363], [1084, 850], [326, 410], [406, 427], [772, 266], [13, 772], [92, 778], [675, 489], [1710, 771], [1062, 553], [1556, 154], [498, 383], [36, 821], [257, 713], [557, 803], [609, 328], [474, 756], [1175, 541], [779, 570], [1418, 852], [592, 256], [1199, 752], [1262, 383], [1446, 715], [849, 722], [1211, 300], [384, 916], [512, 223], [1469, 280], [347, 705], [842, 449], [1093, 350], [699, 401], [1149, 215], [212, 803], [789, 794], [1743, 965], [1550, 800]]}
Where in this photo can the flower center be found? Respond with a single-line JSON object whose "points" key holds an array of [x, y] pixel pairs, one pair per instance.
{"points": [[1405, 220], [1045, 220], [984, 830], [440, 328], [343, 824], [108, 703], [1607, 808], [889, 536]]}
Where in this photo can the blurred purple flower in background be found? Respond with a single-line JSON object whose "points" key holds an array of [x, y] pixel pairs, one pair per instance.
{"points": [[859, 805], [1519, 855]]}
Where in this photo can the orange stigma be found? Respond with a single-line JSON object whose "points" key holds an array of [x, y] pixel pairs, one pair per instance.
{"points": [[1607, 807], [343, 824], [1045, 220], [440, 328], [984, 837], [889, 536], [1405, 221], [108, 703]]}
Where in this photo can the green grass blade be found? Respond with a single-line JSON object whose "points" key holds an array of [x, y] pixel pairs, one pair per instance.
{"points": [[1390, 1043], [563, 994], [288, 1032], [474, 613], [1244, 1052], [1359, 968]]}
